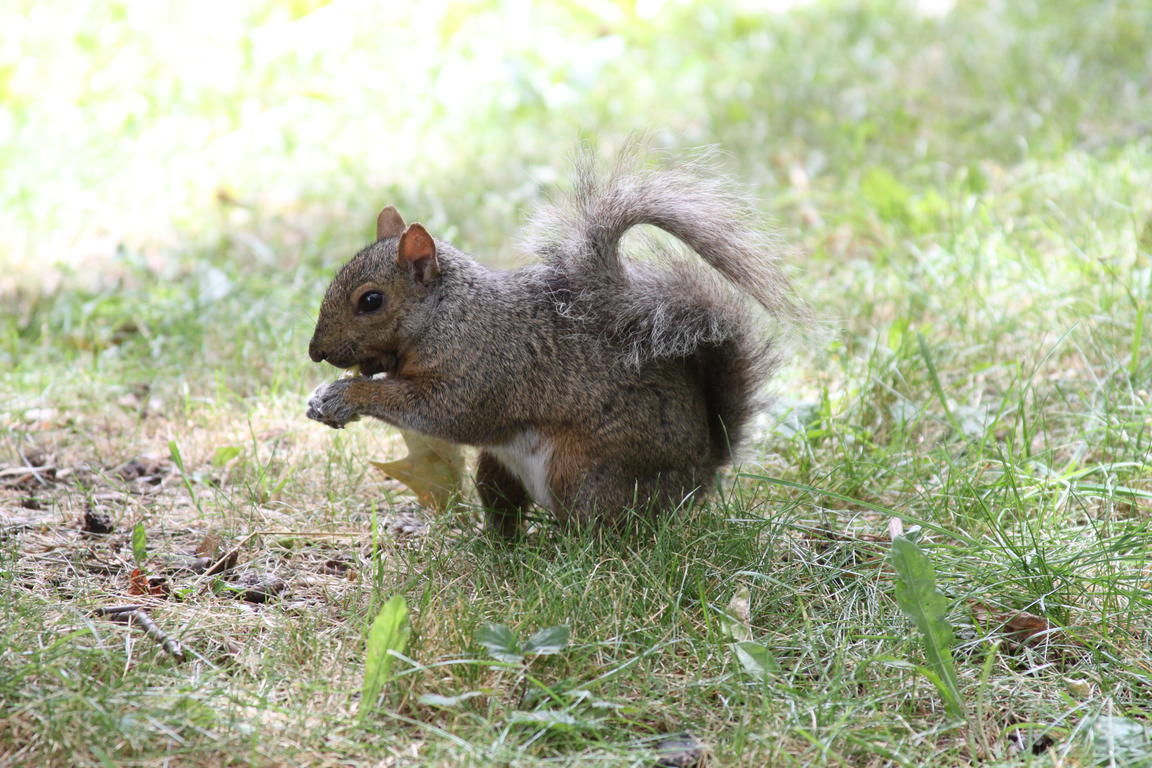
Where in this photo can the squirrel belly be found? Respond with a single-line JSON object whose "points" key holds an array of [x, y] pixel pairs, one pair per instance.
{"points": [[528, 457], [592, 383]]}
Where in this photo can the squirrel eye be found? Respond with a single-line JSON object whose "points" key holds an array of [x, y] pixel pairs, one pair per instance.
{"points": [[370, 302]]}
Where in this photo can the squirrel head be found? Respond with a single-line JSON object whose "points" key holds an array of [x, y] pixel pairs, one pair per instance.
{"points": [[373, 303]]}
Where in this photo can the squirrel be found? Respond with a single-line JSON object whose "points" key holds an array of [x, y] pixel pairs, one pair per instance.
{"points": [[592, 384]]}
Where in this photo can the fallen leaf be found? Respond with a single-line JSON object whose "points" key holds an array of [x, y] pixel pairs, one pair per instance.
{"points": [[1079, 687], [138, 583], [1027, 628], [895, 527], [433, 469], [1019, 629], [209, 546]]}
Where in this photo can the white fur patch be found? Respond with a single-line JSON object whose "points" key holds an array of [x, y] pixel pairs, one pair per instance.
{"points": [[527, 456]]}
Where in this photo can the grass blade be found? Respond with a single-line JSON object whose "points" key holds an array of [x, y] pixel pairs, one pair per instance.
{"points": [[139, 544], [887, 511], [937, 387], [387, 637]]}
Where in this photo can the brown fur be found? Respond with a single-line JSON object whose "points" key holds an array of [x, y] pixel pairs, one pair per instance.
{"points": [[595, 383]]}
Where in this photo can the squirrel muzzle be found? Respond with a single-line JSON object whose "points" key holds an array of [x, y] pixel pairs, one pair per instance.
{"points": [[315, 352]]}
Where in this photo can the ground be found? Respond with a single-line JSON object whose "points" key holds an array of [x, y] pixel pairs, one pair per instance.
{"points": [[965, 196]]}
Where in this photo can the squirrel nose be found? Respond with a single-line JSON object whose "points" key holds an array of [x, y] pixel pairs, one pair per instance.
{"points": [[316, 353]]}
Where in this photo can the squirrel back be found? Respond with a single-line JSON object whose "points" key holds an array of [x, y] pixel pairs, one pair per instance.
{"points": [[729, 322], [591, 382]]}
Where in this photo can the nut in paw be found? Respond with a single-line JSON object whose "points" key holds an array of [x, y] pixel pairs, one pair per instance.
{"points": [[328, 405]]}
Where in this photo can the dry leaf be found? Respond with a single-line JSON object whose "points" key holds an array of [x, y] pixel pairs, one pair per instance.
{"points": [[138, 583], [433, 469], [141, 584], [1027, 629], [209, 546], [1019, 629]]}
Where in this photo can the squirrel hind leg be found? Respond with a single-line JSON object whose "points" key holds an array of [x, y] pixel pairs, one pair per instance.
{"points": [[504, 498], [615, 498]]}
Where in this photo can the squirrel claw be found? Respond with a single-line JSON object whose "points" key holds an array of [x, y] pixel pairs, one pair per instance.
{"points": [[327, 405]]}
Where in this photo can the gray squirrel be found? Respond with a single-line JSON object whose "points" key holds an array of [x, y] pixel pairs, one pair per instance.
{"points": [[591, 383]]}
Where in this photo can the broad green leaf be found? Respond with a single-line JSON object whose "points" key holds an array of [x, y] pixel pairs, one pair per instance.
{"points": [[387, 637], [547, 641], [500, 642], [139, 544], [757, 660], [918, 598]]}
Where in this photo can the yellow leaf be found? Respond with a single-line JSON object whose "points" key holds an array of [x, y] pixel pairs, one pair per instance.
{"points": [[433, 469]]}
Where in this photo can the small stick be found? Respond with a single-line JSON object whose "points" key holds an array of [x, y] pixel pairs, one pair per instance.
{"points": [[113, 610], [25, 470], [134, 614]]}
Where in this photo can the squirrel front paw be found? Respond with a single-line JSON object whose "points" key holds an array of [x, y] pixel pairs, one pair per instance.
{"points": [[328, 405]]}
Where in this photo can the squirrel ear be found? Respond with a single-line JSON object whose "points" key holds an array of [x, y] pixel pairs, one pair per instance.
{"points": [[389, 223], [417, 252]]}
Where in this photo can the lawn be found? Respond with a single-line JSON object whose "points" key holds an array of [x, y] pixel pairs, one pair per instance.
{"points": [[965, 194]]}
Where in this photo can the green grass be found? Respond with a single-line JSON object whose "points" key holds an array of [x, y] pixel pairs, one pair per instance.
{"points": [[969, 199]]}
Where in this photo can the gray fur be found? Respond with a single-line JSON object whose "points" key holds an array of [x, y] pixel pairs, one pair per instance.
{"points": [[639, 376]]}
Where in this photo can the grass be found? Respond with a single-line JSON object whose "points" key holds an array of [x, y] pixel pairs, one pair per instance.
{"points": [[969, 197]]}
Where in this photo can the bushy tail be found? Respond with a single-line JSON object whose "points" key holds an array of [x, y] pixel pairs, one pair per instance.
{"points": [[691, 200], [667, 307]]}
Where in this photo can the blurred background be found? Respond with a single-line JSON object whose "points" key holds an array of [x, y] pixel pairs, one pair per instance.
{"points": [[180, 179]]}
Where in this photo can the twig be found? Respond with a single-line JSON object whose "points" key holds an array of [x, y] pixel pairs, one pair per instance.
{"points": [[26, 470], [113, 610], [134, 614]]}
